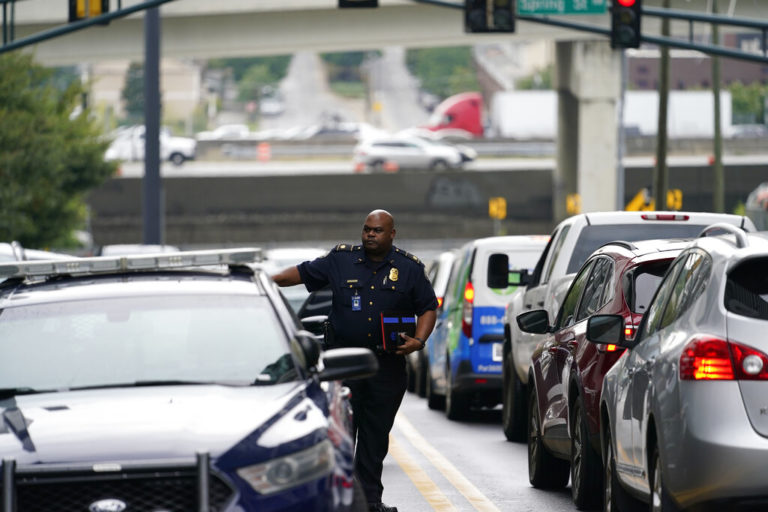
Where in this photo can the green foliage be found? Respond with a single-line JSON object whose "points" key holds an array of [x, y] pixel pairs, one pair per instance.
{"points": [[49, 158], [443, 71], [255, 80], [133, 93], [541, 79], [748, 102], [277, 66]]}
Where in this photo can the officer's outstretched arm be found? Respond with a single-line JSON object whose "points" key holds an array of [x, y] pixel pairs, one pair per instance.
{"points": [[288, 277]]}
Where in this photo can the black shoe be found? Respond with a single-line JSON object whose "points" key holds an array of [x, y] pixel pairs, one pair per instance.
{"points": [[380, 507]]}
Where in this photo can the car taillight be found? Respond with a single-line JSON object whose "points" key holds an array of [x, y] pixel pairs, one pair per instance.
{"points": [[664, 216], [439, 302], [706, 358], [466, 318], [750, 364]]}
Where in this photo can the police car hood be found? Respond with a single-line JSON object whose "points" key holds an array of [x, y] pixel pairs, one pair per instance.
{"points": [[131, 424]]}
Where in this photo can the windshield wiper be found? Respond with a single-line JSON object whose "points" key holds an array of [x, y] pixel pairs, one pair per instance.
{"points": [[158, 382]]}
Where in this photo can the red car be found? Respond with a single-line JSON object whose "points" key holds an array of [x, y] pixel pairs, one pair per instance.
{"points": [[566, 375]]}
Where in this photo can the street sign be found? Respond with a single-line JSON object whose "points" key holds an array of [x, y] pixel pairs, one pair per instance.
{"points": [[497, 208], [532, 7]]}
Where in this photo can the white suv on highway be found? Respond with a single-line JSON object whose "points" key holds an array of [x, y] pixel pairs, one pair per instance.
{"points": [[398, 153]]}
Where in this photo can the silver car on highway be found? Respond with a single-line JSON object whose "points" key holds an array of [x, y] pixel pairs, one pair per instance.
{"points": [[684, 413]]}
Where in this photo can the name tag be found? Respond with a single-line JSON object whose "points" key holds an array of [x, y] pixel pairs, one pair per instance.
{"points": [[356, 303]]}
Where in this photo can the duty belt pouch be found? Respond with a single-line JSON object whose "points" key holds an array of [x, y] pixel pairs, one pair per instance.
{"points": [[393, 323]]}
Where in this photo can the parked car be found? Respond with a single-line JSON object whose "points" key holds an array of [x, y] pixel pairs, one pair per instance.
{"points": [[566, 375], [129, 144], [173, 382], [683, 414], [465, 354], [406, 153], [438, 274], [572, 241]]}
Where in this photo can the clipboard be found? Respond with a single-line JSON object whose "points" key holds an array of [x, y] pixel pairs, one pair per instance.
{"points": [[392, 324]]}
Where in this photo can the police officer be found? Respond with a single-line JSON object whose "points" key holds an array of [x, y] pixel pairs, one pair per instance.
{"points": [[367, 280]]}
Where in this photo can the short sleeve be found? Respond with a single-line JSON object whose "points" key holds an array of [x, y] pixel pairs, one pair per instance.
{"points": [[424, 298], [316, 274]]}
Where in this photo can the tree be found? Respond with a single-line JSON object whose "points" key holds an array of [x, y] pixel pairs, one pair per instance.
{"points": [[748, 102], [443, 71], [50, 156], [133, 93]]}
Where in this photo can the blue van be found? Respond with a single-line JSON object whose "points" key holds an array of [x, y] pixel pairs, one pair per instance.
{"points": [[465, 349]]}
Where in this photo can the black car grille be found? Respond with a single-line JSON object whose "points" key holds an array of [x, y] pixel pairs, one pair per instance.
{"points": [[171, 490]]}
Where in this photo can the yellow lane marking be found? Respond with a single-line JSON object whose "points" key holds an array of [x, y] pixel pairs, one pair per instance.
{"points": [[423, 483], [449, 471]]}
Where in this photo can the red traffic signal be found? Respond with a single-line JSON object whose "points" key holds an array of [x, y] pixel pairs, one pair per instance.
{"points": [[625, 23]]}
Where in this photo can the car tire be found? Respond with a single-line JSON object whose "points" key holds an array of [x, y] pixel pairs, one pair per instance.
{"points": [[660, 499], [434, 401], [545, 471], [513, 408], [439, 165], [586, 467], [177, 158], [411, 378], [456, 403], [421, 377], [615, 497]]}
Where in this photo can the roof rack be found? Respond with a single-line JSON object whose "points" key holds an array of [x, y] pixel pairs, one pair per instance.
{"points": [[723, 228], [139, 262]]}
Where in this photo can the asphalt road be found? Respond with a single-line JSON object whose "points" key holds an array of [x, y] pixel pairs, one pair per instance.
{"points": [[442, 465]]}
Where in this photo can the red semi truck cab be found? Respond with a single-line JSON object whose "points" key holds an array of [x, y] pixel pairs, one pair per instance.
{"points": [[462, 112]]}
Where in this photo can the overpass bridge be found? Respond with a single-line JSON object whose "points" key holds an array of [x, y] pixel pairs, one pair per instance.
{"points": [[234, 28], [587, 71]]}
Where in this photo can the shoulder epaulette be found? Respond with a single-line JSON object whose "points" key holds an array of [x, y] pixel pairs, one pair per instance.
{"points": [[347, 248], [408, 255]]}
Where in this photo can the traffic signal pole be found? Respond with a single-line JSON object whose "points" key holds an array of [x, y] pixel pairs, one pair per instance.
{"points": [[661, 172], [718, 185], [152, 184]]}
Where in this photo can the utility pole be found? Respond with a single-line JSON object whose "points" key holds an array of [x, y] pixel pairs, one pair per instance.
{"points": [[718, 182], [661, 173], [152, 184]]}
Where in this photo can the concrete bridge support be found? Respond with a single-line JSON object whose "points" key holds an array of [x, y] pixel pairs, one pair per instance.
{"points": [[588, 80]]}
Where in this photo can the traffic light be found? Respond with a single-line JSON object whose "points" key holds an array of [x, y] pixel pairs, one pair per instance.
{"points": [[358, 3], [82, 9], [489, 15], [625, 23]]}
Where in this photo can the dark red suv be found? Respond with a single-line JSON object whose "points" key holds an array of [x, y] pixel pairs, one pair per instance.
{"points": [[566, 374]]}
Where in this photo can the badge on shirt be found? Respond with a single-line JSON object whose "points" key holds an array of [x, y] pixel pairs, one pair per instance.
{"points": [[393, 274], [356, 303]]}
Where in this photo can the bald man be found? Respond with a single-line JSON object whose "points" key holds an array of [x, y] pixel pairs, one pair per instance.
{"points": [[366, 280]]}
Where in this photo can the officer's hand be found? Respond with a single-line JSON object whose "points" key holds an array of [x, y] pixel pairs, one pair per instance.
{"points": [[410, 345]]}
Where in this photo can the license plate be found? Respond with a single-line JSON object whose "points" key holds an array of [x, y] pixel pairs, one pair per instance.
{"points": [[497, 351]]}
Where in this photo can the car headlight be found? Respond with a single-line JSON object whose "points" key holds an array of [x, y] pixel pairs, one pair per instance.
{"points": [[290, 470]]}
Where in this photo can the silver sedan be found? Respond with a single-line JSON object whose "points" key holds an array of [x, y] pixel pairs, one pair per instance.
{"points": [[684, 411]]}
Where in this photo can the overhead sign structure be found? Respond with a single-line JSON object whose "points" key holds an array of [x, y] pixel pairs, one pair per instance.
{"points": [[533, 7]]}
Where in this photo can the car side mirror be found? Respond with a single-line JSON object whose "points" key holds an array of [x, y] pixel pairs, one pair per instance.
{"points": [[309, 349], [607, 330], [348, 363], [498, 271], [314, 324], [534, 322]]}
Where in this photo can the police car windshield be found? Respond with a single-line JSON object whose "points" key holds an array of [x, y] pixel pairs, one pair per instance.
{"points": [[170, 338]]}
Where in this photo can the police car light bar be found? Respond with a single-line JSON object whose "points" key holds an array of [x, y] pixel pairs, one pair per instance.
{"points": [[108, 264]]}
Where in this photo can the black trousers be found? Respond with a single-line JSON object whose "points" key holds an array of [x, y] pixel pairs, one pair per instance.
{"points": [[375, 402]]}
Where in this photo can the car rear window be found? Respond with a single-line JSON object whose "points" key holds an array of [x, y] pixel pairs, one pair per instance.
{"points": [[594, 236], [644, 281], [746, 290], [231, 339]]}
